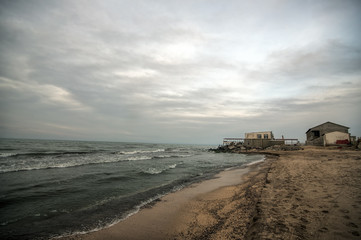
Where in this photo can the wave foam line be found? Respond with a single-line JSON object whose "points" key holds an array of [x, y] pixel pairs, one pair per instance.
{"points": [[155, 171], [141, 151], [4, 169]]}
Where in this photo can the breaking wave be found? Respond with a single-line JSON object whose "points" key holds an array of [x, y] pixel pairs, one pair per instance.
{"points": [[155, 171], [140, 151], [50, 162]]}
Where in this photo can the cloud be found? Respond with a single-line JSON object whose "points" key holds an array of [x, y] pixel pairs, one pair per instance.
{"points": [[330, 58], [138, 70], [44, 93]]}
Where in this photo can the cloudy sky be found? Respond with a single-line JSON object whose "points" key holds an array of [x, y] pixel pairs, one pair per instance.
{"points": [[182, 71]]}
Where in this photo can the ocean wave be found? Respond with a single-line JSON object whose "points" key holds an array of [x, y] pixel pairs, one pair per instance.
{"points": [[10, 221], [44, 154], [55, 162], [3, 155], [172, 166], [114, 179], [102, 225], [140, 151], [49, 164], [182, 150], [171, 156], [40, 167], [155, 171], [137, 158], [255, 162]]}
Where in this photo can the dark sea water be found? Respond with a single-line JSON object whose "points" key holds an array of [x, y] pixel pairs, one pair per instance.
{"points": [[57, 188]]}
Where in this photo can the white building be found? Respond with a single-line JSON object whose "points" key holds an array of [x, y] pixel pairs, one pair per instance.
{"points": [[259, 135]]}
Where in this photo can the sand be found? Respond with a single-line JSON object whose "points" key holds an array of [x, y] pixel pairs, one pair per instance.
{"points": [[313, 193]]}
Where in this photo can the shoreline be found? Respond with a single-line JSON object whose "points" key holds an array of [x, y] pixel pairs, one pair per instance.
{"points": [[160, 218], [313, 193]]}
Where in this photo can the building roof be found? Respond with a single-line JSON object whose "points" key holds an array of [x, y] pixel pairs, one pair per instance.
{"points": [[326, 123], [260, 132]]}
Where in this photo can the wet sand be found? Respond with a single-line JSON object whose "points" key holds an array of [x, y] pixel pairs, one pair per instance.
{"points": [[167, 218], [313, 193]]}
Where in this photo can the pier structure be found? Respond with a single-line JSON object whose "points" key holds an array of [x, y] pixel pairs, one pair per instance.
{"points": [[227, 141]]}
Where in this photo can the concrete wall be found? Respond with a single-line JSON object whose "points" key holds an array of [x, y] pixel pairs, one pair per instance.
{"points": [[332, 137], [256, 143], [277, 142], [262, 143], [315, 142]]}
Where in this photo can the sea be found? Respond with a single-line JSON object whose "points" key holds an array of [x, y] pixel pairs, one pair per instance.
{"points": [[59, 188]]}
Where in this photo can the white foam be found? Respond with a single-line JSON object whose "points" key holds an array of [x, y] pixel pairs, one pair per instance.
{"points": [[154, 171], [115, 221], [172, 166], [138, 158], [3, 155], [142, 151], [255, 162]]}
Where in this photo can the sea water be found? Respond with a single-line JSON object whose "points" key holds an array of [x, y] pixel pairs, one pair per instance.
{"points": [[59, 188]]}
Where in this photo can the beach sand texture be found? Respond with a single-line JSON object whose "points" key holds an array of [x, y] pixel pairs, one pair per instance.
{"points": [[313, 193]]}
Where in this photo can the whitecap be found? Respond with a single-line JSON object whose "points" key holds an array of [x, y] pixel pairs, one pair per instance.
{"points": [[141, 151], [255, 162], [3, 155], [139, 158], [153, 171], [172, 166]]}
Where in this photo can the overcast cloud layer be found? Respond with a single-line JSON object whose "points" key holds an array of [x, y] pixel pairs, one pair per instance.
{"points": [[191, 71]]}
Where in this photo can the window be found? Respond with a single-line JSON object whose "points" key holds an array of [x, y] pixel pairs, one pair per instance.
{"points": [[265, 136], [316, 133], [259, 136]]}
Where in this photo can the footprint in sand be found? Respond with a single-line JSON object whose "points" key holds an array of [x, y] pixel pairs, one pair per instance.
{"points": [[324, 229], [304, 220], [355, 233], [344, 210], [351, 224]]}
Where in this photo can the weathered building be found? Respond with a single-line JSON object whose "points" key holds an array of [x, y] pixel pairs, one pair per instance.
{"points": [[261, 140], [316, 135], [259, 135]]}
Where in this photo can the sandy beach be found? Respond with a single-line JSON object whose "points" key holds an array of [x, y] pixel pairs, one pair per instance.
{"points": [[313, 193]]}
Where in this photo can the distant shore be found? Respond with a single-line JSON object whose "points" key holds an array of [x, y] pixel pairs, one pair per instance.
{"points": [[312, 193]]}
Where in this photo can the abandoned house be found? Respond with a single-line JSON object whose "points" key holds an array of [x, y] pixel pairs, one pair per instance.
{"points": [[261, 140], [327, 133], [259, 135]]}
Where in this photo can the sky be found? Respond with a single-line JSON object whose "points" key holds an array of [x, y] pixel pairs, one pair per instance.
{"points": [[177, 71]]}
